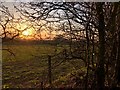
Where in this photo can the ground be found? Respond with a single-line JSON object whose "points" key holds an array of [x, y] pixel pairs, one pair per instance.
{"points": [[28, 67]]}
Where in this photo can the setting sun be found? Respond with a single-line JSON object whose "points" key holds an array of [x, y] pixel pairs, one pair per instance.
{"points": [[26, 33]]}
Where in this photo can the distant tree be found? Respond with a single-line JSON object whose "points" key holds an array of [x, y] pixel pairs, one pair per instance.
{"points": [[59, 38]]}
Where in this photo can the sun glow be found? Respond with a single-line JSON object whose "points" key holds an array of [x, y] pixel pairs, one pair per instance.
{"points": [[26, 33]]}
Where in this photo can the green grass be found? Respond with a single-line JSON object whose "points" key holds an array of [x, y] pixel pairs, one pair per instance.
{"points": [[29, 66]]}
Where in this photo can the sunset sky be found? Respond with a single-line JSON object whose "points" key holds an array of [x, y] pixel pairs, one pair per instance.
{"points": [[29, 29]]}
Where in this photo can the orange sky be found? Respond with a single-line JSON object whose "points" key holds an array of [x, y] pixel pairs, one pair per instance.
{"points": [[29, 29]]}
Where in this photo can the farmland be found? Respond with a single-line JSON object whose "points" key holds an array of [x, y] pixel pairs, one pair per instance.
{"points": [[27, 66]]}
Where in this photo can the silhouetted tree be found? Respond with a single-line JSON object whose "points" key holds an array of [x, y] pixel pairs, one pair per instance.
{"points": [[93, 23]]}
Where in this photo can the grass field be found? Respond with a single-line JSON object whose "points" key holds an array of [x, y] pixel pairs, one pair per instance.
{"points": [[29, 66]]}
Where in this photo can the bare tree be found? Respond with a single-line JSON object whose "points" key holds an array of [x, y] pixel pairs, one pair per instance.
{"points": [[5, 19], [85, 24]]}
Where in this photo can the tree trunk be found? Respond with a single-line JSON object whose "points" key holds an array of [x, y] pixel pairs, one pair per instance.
{"points": [[101, 30], [117, 73]]}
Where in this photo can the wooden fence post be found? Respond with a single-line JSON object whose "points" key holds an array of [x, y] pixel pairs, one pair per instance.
{"points": [[49, 71]]}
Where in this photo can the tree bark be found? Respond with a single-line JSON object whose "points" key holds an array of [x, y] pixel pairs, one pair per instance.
{"points": [[117, 71], [101, 61]]}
